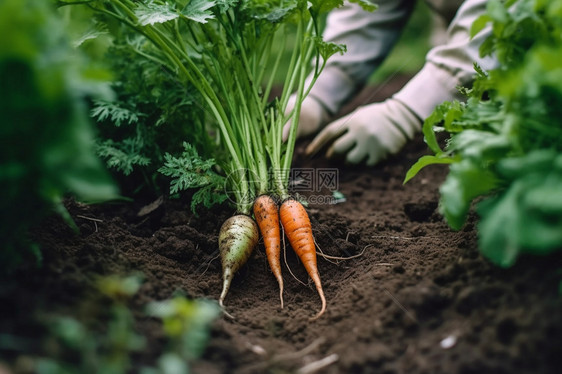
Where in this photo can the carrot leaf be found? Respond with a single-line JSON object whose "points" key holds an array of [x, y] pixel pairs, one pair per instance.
{"points": [[190, 171], [199, 10], [151, 13]]}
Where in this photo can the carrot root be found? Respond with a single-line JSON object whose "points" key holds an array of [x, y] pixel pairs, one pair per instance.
{"points": [[238, 237], [227, 280], [266, 213], [280, 291], [323, 300], [298, 229]]}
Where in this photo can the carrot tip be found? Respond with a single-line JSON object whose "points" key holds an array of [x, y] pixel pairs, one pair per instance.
{"points": [[323, 309], [221, 304], [319, 314], [227, 278], [228, 315], [280, 282]]}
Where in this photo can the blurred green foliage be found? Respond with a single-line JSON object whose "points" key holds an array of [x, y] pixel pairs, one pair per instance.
{"points": [[46, 149], [186, 324], [102, 336]]}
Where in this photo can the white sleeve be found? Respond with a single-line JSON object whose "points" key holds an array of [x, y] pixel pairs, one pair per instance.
{"points": [[450, 65], [369, 37]]}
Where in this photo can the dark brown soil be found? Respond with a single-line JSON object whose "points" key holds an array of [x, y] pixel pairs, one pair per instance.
{"points": [[419, 298]]}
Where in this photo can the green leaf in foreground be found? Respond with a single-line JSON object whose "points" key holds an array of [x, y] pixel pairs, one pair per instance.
{"points": [[425, 161], [96, 339], [478, 25], [465, 182], [527, 216], [46, 149], [443, 115]]}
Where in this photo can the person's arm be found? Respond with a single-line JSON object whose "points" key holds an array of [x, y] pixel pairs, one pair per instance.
{"points": [[373, 131], [448, 66], [369, 37]]}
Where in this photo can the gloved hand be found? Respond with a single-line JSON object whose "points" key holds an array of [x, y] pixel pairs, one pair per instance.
{"points": [[370, 133], [312, 117]]}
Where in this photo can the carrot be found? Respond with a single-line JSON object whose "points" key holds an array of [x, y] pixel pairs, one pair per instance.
{"points": [[237, 238], [298, 229], [266, 213]]}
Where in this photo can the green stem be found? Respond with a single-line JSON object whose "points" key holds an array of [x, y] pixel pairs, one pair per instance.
{"points": [[274, 70], [289, 79], [61, 3], [306, 50], [204, 87], [229, 79], [199, 81]]}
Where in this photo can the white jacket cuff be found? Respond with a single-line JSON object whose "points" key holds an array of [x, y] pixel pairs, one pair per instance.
{"points": [[428, 88]]}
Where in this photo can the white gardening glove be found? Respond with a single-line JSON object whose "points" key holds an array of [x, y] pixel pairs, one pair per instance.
{"points": [[370, 133], [312, 117]]}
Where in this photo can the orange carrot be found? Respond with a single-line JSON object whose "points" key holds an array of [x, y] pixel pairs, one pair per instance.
{"points": [[266, 213], [298, 229]]}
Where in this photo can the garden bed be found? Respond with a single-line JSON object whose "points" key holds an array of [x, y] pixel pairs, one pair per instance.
{"points": [[417, 298]]}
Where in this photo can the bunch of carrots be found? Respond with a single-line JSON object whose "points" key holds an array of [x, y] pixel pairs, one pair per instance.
{"points": [[230, 51], [239, 236]]}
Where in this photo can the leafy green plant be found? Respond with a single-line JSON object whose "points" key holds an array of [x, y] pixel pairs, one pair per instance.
{"points": [[102, 338], [186, 324], [46, 149], [505, 142], [223, 50], [191, 171], [151, 115], [79, 345]]}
